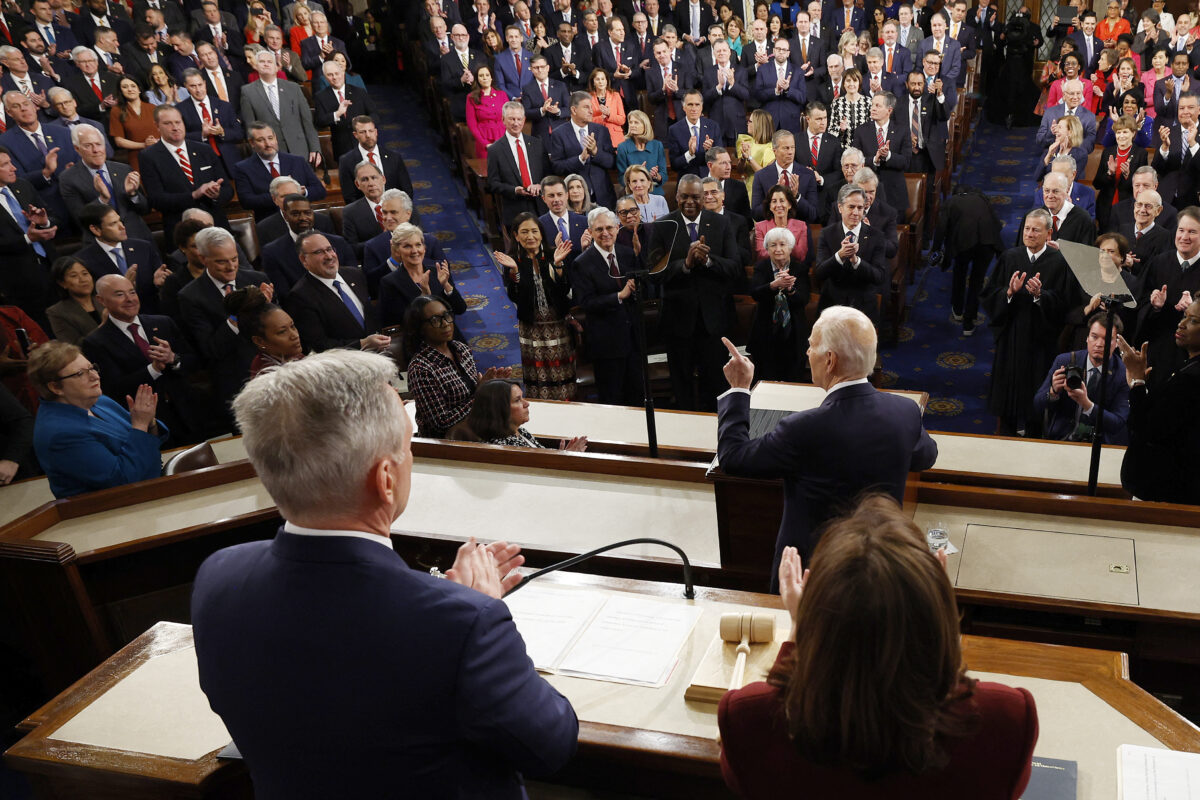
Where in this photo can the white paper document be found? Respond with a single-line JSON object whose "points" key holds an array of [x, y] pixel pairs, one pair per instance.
{"points": [[1148, 773], [624, 638]]}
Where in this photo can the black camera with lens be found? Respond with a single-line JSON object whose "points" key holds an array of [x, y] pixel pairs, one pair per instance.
{"points": [[1075, 376]]}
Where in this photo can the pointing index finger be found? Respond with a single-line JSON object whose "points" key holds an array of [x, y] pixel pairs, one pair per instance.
{"points": [[733, 351]]}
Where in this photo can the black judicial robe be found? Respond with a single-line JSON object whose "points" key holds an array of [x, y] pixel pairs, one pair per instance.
{"points": [[1026, 332]]}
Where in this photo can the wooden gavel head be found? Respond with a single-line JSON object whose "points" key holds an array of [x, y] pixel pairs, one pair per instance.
{"points": [[752, 628]]}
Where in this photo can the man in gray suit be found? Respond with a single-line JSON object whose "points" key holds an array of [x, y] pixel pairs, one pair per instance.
{"points": [[281, 105], [94, 178]]}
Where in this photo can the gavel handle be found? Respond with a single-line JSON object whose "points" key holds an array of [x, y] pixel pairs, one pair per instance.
{"points": [[739, 667]]}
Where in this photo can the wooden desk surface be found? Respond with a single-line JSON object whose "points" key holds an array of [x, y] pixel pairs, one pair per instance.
{"points": [[1086, 708], [20, 498]]}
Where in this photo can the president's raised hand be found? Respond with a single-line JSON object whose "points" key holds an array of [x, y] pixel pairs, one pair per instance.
{"points": [[739, 370]]}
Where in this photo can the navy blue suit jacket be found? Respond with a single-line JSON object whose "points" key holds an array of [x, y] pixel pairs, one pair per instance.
{"points": [[609, 322], [1062, 409], [254, 182], [678, 136], [531, 98], [226, 117], [507, 79], [807, 204], [137, 253], [858, 439], [576, 225], [282, 264], [835, 20], [334, 621], [564, 156], [787, 108]]}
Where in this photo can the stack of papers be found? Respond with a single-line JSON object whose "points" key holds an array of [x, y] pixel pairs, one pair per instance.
{"points": [[1148, 773], [608, 636]]}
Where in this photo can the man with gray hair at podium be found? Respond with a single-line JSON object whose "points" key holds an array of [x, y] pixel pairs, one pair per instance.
{"points": [[857, 440], [338, 670]]}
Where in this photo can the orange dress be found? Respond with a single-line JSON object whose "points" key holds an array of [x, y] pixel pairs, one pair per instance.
{"points": [[134, 128], [1108, 31], [298, 35]]}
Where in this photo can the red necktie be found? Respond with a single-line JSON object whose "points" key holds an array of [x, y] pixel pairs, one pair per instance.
{"points": [[184, 164], [517, 59], [526, 179], [96, 88], [814, 150], [784, 180], [274, 171], [4, 29], [371, 158], [545, 95], [879, 137], [836, 91], [1055, 219], [1137, 235], [212, 140], [140, 340], [379, 215], [3, 125]]}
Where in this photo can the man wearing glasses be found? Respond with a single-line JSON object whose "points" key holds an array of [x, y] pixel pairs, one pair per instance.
{"points": [[329, 304]]}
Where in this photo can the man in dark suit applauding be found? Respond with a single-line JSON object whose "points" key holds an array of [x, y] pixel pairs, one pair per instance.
{"points": [[547, 102], [602, 288], [887, 147], [202, 312], [338, 105], [112, 252], [367, 148], [786, 171], [516, 166], [210, 120], [858, 439], [330, 303], [851, 265], [584, 147], [697, 286], [280, 259], [131, 348], [253, 175], [327, 611], [689, 138], [179, 174]]}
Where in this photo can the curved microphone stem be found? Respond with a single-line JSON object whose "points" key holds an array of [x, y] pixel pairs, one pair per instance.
{"points": [[688, 591]]}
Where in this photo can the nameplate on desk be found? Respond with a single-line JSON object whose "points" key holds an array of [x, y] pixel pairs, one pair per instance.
{"points": [[608, 636]]}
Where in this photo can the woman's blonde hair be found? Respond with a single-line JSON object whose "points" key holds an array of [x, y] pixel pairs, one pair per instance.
{"points": [[1074, 130], [647, 134], [633, 169], [762, 126], [46, 363]]}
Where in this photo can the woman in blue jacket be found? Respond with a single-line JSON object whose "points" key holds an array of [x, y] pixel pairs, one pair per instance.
{"points": [[84, 440]]}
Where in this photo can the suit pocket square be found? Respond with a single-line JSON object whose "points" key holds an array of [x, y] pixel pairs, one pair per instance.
{"points": [[202, 169]]}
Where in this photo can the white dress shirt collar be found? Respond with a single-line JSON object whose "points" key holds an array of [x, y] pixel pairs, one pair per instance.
{"points": [[845, 384], [289, 527]]}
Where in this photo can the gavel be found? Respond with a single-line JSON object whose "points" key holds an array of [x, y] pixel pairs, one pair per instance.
{"points": [[745, 629]]}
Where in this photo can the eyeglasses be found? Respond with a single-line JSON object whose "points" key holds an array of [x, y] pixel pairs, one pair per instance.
{"points": [[626, 212], [92, 369], [440, 320], [321, 252]]}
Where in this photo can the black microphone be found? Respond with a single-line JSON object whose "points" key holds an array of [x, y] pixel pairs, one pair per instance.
{"points": [[689, 592]]}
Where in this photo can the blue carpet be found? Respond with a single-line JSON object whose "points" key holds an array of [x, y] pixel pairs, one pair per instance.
{"points": [[490, 323], [931, 355]]}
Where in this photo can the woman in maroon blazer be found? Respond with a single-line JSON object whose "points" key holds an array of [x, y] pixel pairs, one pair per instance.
{"points": [[872, 699]]}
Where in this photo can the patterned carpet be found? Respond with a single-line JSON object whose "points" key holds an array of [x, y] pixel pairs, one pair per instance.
{"points": [[931, 354], [490, 324]]}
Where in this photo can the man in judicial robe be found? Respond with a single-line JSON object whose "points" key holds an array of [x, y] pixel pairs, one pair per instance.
{"points": [[857, 439], [1146, 236], [1171, 281], [1025, 298], [297, 635], [1068, 222]]}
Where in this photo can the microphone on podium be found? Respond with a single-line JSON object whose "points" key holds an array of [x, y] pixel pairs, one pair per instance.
{"points": [[689, 591]]}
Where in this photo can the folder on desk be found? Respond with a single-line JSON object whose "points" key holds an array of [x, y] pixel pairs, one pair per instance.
{"points": [[608, 636]]}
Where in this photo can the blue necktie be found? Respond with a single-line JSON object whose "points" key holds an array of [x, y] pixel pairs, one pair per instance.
{"points": [[112, 197], [562, 228], [48, 32], [19, 215], [693, 231], [41, 144], [119, 255], [350, 304]]}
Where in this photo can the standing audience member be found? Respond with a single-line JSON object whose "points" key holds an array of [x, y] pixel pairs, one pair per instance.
{"points": [[780, 288], [268, 327], [1163, 438], [850, 265], [640, 147], [968, 236], [485, 115], [535, 278], [414, 273], [78, 313]]}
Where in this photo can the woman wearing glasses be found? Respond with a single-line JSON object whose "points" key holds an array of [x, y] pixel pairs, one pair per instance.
{"points": [[412, 275], [441, 373], [84, 440]]}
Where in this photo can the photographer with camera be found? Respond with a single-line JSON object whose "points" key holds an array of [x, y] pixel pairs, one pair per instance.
{"points": [[1068, 396]]}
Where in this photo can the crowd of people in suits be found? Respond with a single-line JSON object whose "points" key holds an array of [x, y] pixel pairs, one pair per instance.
{"points": [[823, 109], [130, 137]]}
